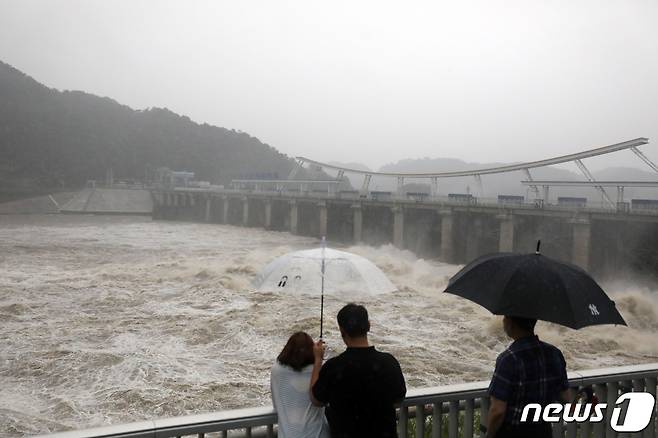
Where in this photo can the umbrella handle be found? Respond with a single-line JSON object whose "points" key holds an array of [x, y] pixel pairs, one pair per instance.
{"points": [[324, 245], [538, 244]]}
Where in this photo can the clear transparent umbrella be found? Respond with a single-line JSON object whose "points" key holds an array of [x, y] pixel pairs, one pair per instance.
{"points": [[345, 274]]}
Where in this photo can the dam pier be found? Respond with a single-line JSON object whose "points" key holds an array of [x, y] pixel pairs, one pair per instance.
{"points": [[607, 237], [438, 228]]}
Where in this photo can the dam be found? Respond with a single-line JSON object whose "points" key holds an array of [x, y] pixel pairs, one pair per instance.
{"points": [[440, 228]]}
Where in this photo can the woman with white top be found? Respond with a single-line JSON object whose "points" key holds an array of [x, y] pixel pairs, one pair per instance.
{"points": [[289, 381]]}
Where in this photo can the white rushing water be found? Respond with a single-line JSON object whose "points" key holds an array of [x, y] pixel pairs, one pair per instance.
{"points": [[117, 319]]}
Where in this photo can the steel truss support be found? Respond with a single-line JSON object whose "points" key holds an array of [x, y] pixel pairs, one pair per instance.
{"points": [[478, 182], [295, 171], [644, 158], [400, 185], [620, 194], [589, 177], [533, 187], [434, 188], [366, 183]]}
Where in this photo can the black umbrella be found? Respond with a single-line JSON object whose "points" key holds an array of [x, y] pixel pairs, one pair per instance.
{"points": [[535, 286]]}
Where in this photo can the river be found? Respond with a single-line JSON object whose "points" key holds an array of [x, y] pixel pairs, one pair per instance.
{"points": [[111, 319]]}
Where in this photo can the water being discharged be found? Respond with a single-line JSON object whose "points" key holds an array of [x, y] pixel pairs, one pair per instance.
{"points": [[114, 319]]}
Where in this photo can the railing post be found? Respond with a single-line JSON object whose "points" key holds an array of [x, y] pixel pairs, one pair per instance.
{"points": [[468, 418], [601, 393], [484, 414], [461, 401], [453, 419], [556, 429], [420, 421], [585, 429], [572, 430], [613, 390], [651, 389], [402, 422], [437, 420]]}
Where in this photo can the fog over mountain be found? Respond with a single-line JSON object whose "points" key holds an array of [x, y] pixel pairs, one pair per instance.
{"points": [[51, 138]]}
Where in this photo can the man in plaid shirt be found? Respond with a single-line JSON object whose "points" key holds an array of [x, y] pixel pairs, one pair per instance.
{"points": [[528, 371]]}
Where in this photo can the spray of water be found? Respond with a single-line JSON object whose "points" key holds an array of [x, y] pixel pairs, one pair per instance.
{"points": [[109, 320]]}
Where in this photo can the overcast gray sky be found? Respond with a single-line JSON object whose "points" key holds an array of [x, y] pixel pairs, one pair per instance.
{"points": [[367, 81]]}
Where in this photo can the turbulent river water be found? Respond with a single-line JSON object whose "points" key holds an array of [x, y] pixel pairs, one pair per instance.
{"points": [[117, 319]]}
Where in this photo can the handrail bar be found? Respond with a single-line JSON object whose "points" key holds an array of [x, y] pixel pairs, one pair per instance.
{"points": [[264, 416]]}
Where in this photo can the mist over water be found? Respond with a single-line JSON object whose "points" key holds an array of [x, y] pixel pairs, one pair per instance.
{"points": [[117, 319]]}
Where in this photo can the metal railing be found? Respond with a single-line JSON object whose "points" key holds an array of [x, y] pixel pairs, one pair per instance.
{"points": [[592, 206], [450, 411]]}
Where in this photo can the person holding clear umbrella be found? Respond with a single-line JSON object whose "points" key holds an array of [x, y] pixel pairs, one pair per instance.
{"points": [[289, 382]]}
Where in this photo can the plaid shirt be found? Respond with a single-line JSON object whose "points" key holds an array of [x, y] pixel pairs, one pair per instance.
{"points": [[528, 371]]}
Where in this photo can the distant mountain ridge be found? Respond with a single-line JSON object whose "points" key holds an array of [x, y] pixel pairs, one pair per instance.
{"points": [[51, 138]]}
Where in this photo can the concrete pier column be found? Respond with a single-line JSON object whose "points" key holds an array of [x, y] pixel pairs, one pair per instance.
{"points": [[581, 234], [268, 214], [506, 240], [323, 218], [357, 231], [447, 248], [398, 226], [225, 203], [293, 217], [208, 214], [473, 237], [245, 211]]}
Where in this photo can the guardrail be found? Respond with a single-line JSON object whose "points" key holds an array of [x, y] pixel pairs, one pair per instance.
{"points": [[450, 411]]}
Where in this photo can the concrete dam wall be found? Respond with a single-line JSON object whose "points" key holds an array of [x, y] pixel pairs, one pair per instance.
{"points": [[606, 242], [110, 201], [86, 201]]}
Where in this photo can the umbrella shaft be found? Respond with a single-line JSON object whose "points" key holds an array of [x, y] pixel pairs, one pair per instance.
{"points": [[322, 305]]}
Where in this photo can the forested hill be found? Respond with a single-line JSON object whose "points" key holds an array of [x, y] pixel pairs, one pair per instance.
{"points": [[50, 138]]}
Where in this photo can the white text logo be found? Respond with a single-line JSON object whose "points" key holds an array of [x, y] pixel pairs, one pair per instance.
{"points": [[638, 412]]}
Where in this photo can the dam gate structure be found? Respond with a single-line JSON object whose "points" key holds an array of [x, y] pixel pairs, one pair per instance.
{"points": [[453, 228]]}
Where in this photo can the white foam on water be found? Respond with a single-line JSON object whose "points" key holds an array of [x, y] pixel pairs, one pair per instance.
{"points": [[116, 319]]}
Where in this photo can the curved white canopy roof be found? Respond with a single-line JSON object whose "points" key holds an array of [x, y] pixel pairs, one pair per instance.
{"points": [[299, 272]]}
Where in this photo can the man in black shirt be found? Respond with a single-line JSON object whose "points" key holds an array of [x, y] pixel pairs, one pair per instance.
{"points": [[360, 386]]}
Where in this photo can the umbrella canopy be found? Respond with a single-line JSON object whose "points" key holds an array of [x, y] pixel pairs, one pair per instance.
{"points": [[299, 272], [535, 286]]}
